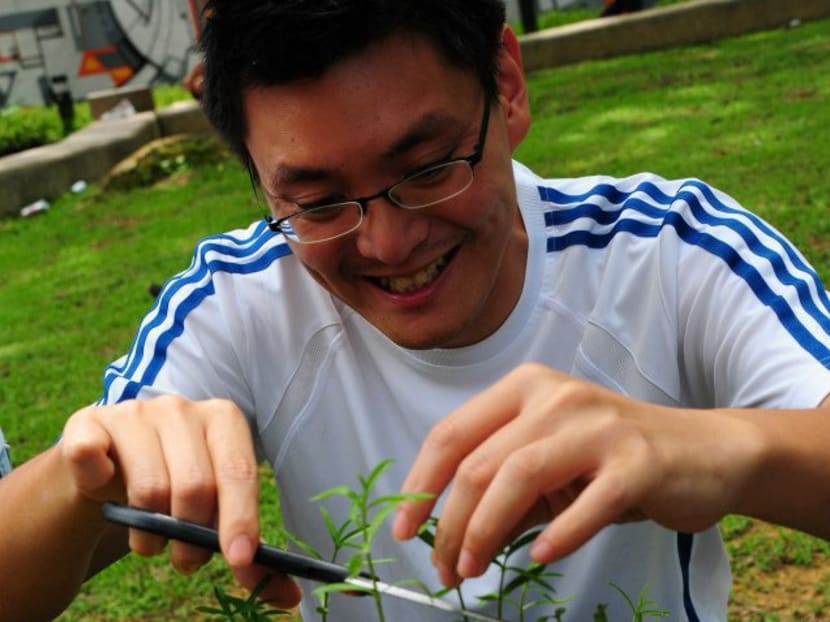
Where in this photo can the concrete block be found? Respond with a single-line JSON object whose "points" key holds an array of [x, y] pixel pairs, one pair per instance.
{"points": [[184, 117], [659, 28], [49, 171], [140, 97]]}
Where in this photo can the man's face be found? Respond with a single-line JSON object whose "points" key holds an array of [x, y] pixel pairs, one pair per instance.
{"points": [[442, 276]]}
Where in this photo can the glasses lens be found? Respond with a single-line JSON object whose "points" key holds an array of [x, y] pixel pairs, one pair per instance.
{"points": [[433, 185], [323, 223]]}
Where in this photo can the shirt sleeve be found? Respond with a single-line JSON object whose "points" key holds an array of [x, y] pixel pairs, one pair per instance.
{"points": [[5, 457], [754, 316]]}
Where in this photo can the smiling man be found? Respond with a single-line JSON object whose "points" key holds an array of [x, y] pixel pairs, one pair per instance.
{"points": [[619, 361]]}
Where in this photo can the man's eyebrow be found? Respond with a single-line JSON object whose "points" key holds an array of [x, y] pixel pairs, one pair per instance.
{"points": [[428, 127], [285, 174]]}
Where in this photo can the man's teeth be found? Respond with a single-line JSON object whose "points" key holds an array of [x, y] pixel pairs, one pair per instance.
{"points": [[406, 284]]}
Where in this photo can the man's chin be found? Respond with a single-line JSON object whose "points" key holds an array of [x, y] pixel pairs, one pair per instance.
{"points": [[412, 338]]}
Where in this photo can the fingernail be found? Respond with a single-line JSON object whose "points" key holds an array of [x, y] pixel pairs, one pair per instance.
{"points": [[468, 565], [241, 551], [402, 527], [541, 551]]}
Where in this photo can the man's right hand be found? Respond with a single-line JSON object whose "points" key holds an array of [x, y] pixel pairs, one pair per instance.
{"points": [[193, 460]]}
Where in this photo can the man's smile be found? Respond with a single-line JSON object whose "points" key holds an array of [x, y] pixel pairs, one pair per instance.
{"points": [[415, 281]]}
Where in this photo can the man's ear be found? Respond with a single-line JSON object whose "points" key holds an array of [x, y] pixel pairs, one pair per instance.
{"points": [[512, 88]]}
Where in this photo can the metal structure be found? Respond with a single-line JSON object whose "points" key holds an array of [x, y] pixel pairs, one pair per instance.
{"points": [[51, 47]]}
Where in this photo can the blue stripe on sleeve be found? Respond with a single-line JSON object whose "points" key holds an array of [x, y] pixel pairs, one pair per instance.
{"points": [[646, 218], [234, 255]]}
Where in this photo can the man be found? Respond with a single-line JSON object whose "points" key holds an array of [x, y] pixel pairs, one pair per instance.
{"points": [[622, 362]]}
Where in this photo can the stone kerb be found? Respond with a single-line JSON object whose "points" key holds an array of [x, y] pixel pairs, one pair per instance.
{"points": [[48, 171], [659, 28], [183, 117], [89, 154]]}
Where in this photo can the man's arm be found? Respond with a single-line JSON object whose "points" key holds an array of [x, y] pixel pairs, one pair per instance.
{"points": [[542, 447], [192, 459], [48, 536]]}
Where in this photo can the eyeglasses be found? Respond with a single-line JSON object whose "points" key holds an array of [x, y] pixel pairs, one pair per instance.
{"points": [[424, 188]]}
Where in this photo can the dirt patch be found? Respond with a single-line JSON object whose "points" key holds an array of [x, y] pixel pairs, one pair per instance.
{"points": [[166, 160]]}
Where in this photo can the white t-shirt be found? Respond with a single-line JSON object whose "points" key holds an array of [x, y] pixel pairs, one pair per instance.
{"points": [[663, 290]]}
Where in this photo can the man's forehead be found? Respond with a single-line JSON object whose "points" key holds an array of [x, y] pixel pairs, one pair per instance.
{"points": [[413, 133], [384, 102]]}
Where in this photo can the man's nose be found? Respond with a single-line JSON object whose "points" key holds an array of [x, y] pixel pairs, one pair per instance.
{"points": [[389, 233]]}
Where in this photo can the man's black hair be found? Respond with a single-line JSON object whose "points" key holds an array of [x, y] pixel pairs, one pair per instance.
{"points": [[254, 43]]}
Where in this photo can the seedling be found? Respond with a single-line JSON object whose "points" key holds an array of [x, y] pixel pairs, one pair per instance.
{"points": [[520, 588], [251, 609]]}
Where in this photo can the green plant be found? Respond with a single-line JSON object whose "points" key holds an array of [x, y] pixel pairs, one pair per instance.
{"points": [[366, 515], [251, 609], [520, 588], [24, 128]]}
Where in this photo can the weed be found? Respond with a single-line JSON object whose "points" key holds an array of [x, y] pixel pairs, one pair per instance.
{"points": [[251, 609], [520, 588]]}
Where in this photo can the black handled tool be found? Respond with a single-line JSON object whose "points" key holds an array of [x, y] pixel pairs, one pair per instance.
{"points": [[283, 561]]}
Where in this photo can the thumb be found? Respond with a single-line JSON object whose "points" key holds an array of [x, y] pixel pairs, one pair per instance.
{"points": [[88, 450]]}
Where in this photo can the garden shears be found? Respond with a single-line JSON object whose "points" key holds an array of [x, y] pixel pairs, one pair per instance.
{"points": [[286, 562]]}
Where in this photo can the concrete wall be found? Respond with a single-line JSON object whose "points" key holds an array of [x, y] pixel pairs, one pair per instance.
{"points": [[663, 27], [89, 154]]}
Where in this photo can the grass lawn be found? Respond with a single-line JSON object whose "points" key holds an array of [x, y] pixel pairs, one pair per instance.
{"points": [[749, 115]]}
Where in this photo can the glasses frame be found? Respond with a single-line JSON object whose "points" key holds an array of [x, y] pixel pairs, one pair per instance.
{"points": [[279, 225]]}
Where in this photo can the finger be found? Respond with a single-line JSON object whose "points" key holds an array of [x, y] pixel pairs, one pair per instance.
{"points": [[232, 454], [510, 459], [472, 480], [193, 487], [446, 445], [600, 504], [280, 590], [140, 458], [516, 493]]}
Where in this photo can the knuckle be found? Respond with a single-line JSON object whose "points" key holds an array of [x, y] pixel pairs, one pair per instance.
{"points": [[573, 393], [444, 435], [524, 467], [476, 472], [237, 468], [224, 408], [149, 490], [195, 485], [617, 494], [78, 449], [530, 370], [166, 403]]}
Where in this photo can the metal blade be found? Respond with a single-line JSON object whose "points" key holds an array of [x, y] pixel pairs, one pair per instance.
{"points": [[418, 597]]}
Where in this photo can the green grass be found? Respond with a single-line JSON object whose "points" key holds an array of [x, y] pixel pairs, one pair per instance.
{"points": [[747, 114]]}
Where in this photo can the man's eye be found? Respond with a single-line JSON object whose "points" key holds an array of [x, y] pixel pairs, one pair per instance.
{"points": [[314, 204], [323, 213], [432, 176]]}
